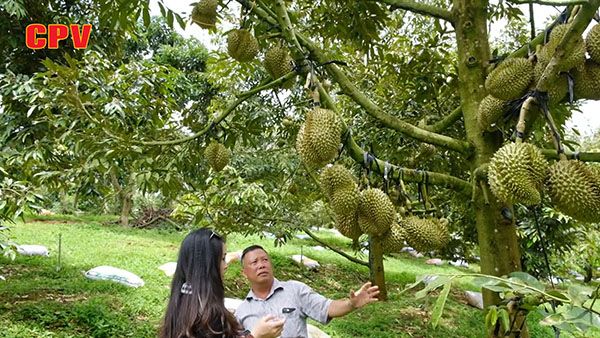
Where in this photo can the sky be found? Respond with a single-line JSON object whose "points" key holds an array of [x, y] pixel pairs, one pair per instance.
{"points": [[587, 121]]}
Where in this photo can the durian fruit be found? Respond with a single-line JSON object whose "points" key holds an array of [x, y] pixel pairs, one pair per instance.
{"points": [[319, 137], [592, 43], [393, 239], [425, 234], [347, 225], [516, 173], [587, 81], [510, 79], [336, 177], [376, 213], [571, 59], [575, 190], [557, 90], [278, 62], [204, 13], [242, 45], [344, 203], [339, 185], [490, 110], [217, 155]]}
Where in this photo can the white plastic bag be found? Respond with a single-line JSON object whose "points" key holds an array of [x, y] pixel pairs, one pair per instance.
{"points": [[32, 250], [116, 275]]}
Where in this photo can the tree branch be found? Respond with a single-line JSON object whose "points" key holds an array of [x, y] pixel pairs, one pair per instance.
{"points": [[336, 250], [371, 108], [240, 98], [550, 2], [446, 122], [584, 157], [539, 39], [375, 111], [408, 175], [420, 8], [581, 21]]}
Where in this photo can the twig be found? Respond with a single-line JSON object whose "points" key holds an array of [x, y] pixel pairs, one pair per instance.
{"points": [[338, 251]]}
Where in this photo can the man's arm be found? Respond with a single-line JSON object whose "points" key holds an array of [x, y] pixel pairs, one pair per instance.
{"points": [[365, 295]]}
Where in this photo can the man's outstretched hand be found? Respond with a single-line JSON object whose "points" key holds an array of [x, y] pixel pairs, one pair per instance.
{"points": [[365, 295]]}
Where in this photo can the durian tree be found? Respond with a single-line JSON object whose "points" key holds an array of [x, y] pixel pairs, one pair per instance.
{"points": [[500, 118]]}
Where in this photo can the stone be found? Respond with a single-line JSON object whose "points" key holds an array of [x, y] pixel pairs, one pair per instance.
{"points": [[302, 236], [317, 248], [434, 261]]}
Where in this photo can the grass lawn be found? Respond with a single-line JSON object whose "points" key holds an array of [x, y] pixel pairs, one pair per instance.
{"points": [[39, 300]]}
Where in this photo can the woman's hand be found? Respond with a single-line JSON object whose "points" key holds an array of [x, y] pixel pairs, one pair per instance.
{"points": [[269, 326]]}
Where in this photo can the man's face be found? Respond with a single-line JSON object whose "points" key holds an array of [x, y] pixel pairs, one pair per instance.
{"points": [[257, 267]]}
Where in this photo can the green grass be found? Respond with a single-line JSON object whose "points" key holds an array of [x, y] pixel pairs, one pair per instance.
{"points": [[37, 300]]}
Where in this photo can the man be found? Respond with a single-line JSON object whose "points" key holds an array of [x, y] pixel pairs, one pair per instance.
{"points": [[291, 299]]}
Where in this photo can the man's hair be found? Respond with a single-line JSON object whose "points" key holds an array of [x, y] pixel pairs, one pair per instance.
{"points": [[250, 248]]}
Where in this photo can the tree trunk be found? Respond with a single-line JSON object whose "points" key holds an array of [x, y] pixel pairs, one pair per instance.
{"points": [[124, 198], [589, 273], [126, 205], [376, 272], [495, 222]]}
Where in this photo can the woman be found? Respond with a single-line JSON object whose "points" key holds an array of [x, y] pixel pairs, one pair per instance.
{"points": [[196, 306]]}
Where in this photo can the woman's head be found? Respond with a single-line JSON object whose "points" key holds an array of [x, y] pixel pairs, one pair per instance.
{"points": [[202, 254], [196, 306]]}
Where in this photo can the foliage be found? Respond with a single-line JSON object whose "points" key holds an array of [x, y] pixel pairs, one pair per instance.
{"points": [[572, 311]]}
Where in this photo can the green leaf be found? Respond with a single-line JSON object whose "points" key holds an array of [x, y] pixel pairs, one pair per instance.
{"points": [[558, 294], [578, 294], [434, 284], [504, 319], [180, 21], [491, 317], [439, 304], [501, 287], [146, 16], [170, 18], [162, 9], [526, 279]]}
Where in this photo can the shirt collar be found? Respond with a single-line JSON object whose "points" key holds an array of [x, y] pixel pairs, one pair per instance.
{"points": [[277, 285]]}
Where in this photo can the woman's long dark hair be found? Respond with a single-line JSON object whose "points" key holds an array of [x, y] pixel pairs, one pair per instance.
{"points": [[201, 313]]}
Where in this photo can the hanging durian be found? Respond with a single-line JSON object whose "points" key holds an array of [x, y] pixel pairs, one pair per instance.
{"points": [[376, 213], [393, 239], [592, 43], [278, 62], [242, 45], [510, 79], [490, 111], [217, 155], [319, 137], [571, 59], [587, 81], [204, 13], [574, 189], [558, 89], [516, 173], [425, 234], [336, 177]]}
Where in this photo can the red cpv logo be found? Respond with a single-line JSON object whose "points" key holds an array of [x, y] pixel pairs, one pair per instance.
{"points": [[56, 33]]}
